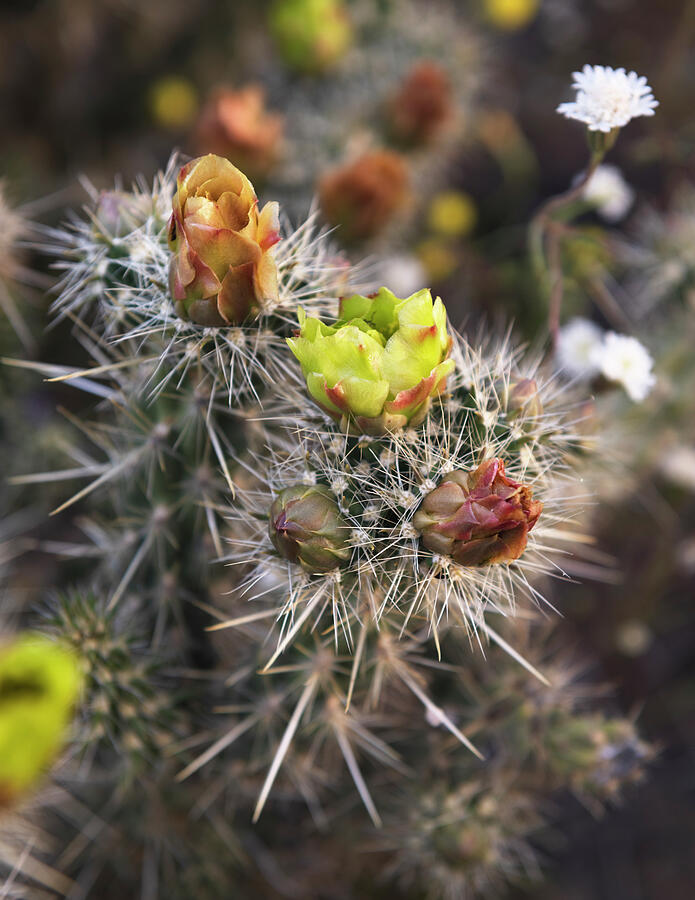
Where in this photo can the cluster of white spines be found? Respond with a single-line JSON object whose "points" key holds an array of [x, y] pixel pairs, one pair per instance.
{"points": [[379, 496], [115, 268]]}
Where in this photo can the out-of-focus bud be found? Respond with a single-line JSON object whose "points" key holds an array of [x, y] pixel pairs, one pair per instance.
{"points": [[588, 255], [223, 268], [378, 368], [118, 213], [423, 105], [236, 124], [174, 102], [111, 213], [511, 15], [363, 196], [39, 684], [311, 35], [522, 398], [306, 528], [452, 214], [479, 517]]}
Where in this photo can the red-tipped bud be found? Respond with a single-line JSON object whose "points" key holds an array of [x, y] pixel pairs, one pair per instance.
{"points": [[479, 517]]}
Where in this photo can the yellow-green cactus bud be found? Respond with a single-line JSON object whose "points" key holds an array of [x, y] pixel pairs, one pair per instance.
{"points": [[39, 684], [311, 35], [377, 369], [306, 528]]}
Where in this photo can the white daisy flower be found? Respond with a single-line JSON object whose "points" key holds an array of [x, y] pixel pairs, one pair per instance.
{"points": [[578, 349], [608, 98], [608, 191], [626, 361]]}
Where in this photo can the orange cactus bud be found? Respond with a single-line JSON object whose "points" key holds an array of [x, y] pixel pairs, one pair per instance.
{"points": [[222, 269], [363, 196], [423, 106], [236, 124]]}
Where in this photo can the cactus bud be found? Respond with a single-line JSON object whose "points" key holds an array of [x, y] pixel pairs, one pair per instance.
{"points": [[222, 269], [39, 683], [597, 755], [236, 124], [423, 106], [522, 397], [306, 528], [363, 196], [478, 517], [377, 369], [311, 35]]}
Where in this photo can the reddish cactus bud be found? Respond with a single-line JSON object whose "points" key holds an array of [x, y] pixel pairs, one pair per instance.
{"points": [[478, 517], [423, 106], [363, 196]]}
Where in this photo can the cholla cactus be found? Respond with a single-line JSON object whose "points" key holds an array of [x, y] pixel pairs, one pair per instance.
{"points": [[124, 707], [118, 264], [385, 486], [345, 644]]}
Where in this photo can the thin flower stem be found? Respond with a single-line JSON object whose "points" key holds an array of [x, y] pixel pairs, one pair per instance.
{"points": [[542, 230]]}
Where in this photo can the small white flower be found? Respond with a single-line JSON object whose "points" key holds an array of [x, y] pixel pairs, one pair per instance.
{"points": [[624, 360], [608, 98], [578, 346], [608, 191]]}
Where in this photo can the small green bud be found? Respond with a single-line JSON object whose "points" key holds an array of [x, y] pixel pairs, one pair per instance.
{"points": [[306, 528]]}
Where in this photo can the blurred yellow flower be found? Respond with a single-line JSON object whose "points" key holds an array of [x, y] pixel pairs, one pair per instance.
{"points": [[438, 258], [510, 14], [173, 102], [452, 213], [39, 684]]}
